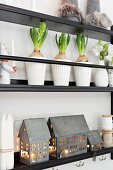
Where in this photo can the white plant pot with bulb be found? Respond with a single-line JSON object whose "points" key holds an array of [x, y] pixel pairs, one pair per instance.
{"points": [[101, 76], [61, 73], [36, 71], [82, 74]]}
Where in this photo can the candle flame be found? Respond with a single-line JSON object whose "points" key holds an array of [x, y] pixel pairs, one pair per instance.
{"points": [[66, 151]]}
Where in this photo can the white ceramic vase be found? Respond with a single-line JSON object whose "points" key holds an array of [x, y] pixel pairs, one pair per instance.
{"points": [[110, 75], [61, 74], [82, 75], [36, 72], [101, 76]]}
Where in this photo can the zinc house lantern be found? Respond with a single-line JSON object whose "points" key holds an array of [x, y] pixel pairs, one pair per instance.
{"points": [[34, 141], [95, 141], [68, 136]]}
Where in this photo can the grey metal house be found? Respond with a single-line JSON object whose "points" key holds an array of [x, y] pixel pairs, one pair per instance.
{"points": [[95, 140], [34, 141], [68, 135]]}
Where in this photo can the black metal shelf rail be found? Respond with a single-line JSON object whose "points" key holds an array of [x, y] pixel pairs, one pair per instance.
{"points": [[47, 61], [51, 88], [30, 18], [54, 163]]}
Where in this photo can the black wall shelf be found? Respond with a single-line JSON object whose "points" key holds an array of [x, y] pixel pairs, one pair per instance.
{"points": [[26, 59], [50, 88], [54, 163], [30, 18]]}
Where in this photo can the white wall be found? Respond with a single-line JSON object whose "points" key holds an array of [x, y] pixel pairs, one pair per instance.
{"points": [[25, 105]]}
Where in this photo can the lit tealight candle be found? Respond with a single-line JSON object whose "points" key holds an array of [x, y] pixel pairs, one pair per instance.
{"points": [[66, 151], [51, 149], [32, 155], [88, 146]]}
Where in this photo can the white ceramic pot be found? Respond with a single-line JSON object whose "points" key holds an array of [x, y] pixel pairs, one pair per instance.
{"points": [[61, 74], [101, 76], [36, 72], [82, 75]]}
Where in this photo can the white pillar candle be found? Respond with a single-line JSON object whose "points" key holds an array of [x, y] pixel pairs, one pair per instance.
{"points": [[13, 51], [10, 143], [3, 127], [106, 122], [33, 5], [13, 47]]}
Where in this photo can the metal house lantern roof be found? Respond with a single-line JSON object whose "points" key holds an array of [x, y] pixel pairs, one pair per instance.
{"points": [[36, 129], [67, 125]]}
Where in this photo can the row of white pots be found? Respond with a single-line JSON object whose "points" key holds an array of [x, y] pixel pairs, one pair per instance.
{"points": [[61, 73]]}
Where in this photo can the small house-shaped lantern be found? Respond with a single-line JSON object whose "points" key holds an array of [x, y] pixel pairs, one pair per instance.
{"points": [[34, 141], [94, 140], [68, 136]]}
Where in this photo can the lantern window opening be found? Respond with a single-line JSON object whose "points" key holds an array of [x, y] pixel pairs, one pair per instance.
{"points": [[24, 154]]}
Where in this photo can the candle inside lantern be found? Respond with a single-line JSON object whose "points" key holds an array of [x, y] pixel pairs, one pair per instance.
{"points": [[33, 157], [17, 144], [66, 151], [52, 150]]}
